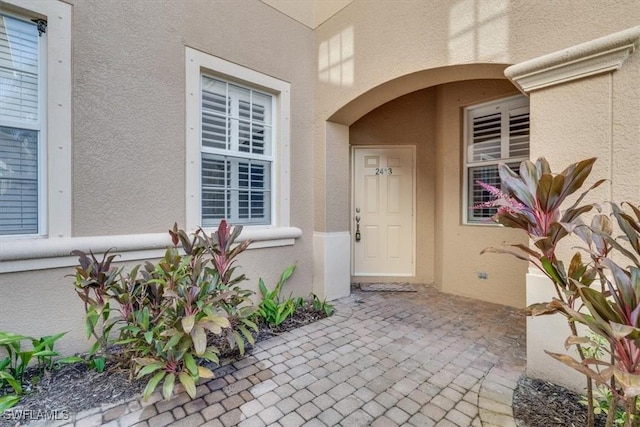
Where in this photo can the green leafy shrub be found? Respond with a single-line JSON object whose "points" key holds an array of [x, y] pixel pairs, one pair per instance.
{"points": [[20, 352], [166, 313], [271, 308], [321, 306]]}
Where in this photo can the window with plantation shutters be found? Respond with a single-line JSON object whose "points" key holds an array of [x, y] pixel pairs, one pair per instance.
{"points": [[21, 136], [236, 153], [496, 132]]}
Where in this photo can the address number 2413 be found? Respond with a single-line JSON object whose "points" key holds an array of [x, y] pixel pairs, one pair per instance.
{"points": [[384, 171]]}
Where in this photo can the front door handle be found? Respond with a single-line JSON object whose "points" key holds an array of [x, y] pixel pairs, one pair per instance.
{"points": [[357, 225]]}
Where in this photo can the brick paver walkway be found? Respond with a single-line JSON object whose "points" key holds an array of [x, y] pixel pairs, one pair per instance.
{"points": [[384, 359]]}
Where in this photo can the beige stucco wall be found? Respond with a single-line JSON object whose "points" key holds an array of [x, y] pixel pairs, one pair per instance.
{"points": [[600, 118], [129, 124], [129, 136], [364, 48], [369, 45], [458, 246], [369, 55], [447, 251], [140, 186]]}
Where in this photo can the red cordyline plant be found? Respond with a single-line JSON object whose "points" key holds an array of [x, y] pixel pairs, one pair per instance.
{"points": [[172, 311], [531, 200], [613, 311]]}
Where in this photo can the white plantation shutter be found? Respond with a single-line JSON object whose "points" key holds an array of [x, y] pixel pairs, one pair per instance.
{"points": [[486, 137], [496, 132], [20, 131], [519, 132], [236, 147]]}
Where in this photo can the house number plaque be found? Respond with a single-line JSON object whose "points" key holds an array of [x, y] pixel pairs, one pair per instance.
{"points": [[384, 171]]}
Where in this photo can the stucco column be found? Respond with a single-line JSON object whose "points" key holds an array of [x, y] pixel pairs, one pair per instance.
{"points": [[331, 237], [584, 103]]}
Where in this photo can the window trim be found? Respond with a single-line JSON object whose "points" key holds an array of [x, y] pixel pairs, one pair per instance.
{"points": [[467, 164], [55, 198], [198, 63]]}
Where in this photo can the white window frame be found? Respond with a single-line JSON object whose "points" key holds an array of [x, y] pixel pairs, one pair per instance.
{"points": [[508, 103], [199, 63], [55, 104]]}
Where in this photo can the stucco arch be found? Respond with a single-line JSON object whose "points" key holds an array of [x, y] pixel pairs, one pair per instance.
{"points": [[430, 102], [402, 85]]}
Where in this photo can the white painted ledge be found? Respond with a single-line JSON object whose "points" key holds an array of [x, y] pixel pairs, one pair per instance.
{"points": [[331, 264], [22, 254], [549, 332], [598, 56]]}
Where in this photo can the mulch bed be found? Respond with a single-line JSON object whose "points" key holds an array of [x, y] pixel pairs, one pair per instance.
{"points": [[538, 403]]}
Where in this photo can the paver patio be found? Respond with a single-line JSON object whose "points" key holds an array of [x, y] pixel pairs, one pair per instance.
{"points": [[384, 359]]}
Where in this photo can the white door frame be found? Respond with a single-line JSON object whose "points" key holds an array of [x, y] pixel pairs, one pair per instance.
{"points": [[353, 202]]}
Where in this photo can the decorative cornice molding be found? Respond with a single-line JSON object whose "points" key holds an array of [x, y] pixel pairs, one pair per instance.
{"points": [[598, 56]]}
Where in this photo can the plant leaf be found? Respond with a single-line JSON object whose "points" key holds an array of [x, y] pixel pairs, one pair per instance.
{"points": [[540, 309], [630, 382], [205, 372], [8, 401], [190, 364], [146, 370], [152, 384], [188, 383], [571, 362], [199, 337], [167, 388], [188, 322]]}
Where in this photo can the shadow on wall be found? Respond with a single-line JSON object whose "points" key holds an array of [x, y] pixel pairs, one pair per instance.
{"points": [[336, 59], [479, 31]]}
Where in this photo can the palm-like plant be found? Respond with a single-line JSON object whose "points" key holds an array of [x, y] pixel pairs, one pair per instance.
{"points": [[532, 200]]}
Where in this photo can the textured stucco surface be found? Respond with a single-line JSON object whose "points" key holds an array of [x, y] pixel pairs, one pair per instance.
{"points": [[129, 135], [367, 56], [129, 156], [459, 245], [129, 120], [396, 39], [129, 153], [600, 118]]}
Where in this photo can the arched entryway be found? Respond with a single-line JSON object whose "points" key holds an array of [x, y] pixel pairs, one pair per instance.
{"points": [[422, 111]]}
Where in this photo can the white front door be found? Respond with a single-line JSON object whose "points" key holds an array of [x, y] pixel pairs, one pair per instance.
{"points": [[383, 209]]}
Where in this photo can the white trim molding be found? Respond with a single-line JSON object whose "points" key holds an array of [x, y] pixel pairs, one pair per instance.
{"points": [[58, 135], [197, 63], [39, 254], [598, 56]]}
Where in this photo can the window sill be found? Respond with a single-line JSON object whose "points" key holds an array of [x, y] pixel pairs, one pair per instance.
{"points": [[37, 253], [483, 224]]}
